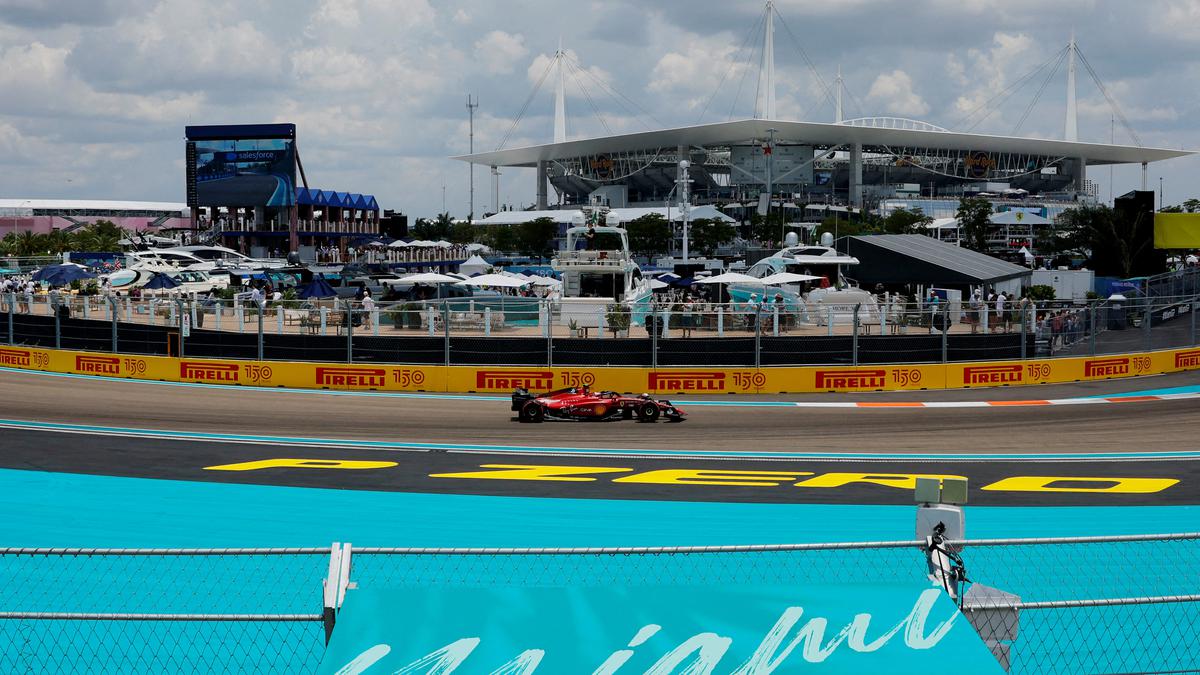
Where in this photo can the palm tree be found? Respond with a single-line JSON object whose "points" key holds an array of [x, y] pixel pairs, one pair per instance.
{"points": [[27, 244], [100, 236]]}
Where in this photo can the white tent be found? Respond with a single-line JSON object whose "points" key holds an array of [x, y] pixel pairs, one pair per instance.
{"points": [[429, 278], [473, 265], [497, 280], [730, 278], [787, 278]]}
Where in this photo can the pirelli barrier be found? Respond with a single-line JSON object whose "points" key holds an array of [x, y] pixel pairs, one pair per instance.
{"points": [[308, 375]]}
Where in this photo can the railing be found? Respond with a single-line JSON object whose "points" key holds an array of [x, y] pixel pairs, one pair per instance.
{"points": [[509, 330], [1062, 605]]}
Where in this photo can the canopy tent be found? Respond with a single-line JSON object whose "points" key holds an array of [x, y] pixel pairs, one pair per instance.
{"points": [[429, 278], [61, 275], [474, 264], [497, 280], [317, 288], [780, 278], [1017, 218], [730, 278]]}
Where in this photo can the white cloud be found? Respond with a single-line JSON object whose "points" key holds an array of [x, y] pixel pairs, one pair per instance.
{"points": [[499, 51], [896, 93]]}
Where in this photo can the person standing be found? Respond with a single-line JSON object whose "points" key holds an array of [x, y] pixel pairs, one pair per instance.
{"points": [[934, 302], [1002, 322], [368, 305]]}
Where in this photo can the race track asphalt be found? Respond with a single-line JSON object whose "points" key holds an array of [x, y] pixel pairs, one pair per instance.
{"points": [[431, 444]]}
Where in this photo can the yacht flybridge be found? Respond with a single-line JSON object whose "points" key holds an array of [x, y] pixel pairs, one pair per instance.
{"points": [[597, 273]]}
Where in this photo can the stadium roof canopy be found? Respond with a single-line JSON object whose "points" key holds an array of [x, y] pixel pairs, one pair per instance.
{"points": [[822, 135], [623, 214], [918, 259]]}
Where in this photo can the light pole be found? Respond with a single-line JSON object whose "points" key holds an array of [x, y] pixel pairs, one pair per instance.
{"points": [[472, 104], [684, 199]]}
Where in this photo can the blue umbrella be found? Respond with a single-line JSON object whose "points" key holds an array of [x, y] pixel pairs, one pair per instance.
{"points": [[160, 282], [61, 275], [317, 288]]}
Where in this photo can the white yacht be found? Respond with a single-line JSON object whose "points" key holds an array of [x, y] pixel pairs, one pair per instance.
{"points": [[597, 277], [225, 257], [836, 290]]}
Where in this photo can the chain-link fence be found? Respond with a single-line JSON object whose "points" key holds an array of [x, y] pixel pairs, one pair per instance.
{"points": [[1067, 605], [532, 331]]}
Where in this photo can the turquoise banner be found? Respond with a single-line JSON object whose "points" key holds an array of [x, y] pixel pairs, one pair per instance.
{"points": [[860, 628]]}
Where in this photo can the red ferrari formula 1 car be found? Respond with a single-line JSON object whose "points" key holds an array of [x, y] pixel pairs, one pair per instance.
{"points": [[582, 404]]}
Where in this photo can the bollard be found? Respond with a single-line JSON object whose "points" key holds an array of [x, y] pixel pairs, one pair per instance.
{"points": [[720, 322], [654, 328], [945, 338], [599, 324], [239, 316], [218, 311], [775, 330], [324, 322], [184, 327], [375, 321], [192, 310], [487, 321], [429, 315], [260, 333], [1024, 321], [279, 320], [829, 320], [86, 308], [128, 309]]}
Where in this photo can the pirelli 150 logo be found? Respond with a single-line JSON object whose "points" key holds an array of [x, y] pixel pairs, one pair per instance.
{"points": [[219, 373], [1188, 359], [851, 379], [15, 357], [683, 381], [512, 379], [98, 365], [354, 378], [1007, 374]]}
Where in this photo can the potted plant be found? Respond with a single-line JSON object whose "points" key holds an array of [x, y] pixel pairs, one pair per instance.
{"points": [[617, 318], [573, 325]]}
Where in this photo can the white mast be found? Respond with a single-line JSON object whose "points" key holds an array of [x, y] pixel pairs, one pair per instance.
{"points": [[768, 64], [838, 107], [560, 98], [1072, 127]]}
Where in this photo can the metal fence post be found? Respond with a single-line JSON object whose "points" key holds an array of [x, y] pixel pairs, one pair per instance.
{"points": [[349, 332], [12, 301], [854, 337], [115, 308], [1146, 321], [184, 325], [653, 329], [758, 336], [544, 308], [260, 333], [57, 319], [1094, 323], [446, 331], [945, 337], [1195, 307], [1024, 327]]}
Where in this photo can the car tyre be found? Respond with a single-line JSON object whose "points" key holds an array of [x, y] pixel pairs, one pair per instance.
{"points": [[532, 412], [648, 411]]}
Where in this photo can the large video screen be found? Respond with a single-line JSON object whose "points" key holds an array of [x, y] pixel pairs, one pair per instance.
{"points": [[243, 172]]}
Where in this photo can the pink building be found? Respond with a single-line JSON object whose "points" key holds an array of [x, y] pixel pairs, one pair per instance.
{"points": [[43, 215]]}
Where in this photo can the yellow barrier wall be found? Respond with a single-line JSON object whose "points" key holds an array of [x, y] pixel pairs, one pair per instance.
{"points": [[665, 381]]}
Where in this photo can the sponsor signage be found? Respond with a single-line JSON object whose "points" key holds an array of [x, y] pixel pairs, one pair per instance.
{"points": [[221, 373], [895, 626], [360, 378], [98, 365], [851, 379], [1106, 367], [1188, 359], [15, 357], [1007, 374], [687, 381], [534, 380]]}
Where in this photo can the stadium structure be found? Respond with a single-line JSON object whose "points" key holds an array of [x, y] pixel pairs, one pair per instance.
{"points": [[880, 163], [42, 216]]}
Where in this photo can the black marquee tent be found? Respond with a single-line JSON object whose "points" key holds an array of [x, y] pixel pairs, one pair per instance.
{"points": [[892, 259]]}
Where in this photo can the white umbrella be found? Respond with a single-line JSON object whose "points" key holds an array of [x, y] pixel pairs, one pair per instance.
{"points": [[498, 280], [399, 243], [442, 244], [655, 284], [780, 278], [546, 281], [730, 278], [428, 278], [478, 248]]}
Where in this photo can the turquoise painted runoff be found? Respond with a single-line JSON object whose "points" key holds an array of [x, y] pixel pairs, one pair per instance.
{"points": [[831, 628], [58, 509]]}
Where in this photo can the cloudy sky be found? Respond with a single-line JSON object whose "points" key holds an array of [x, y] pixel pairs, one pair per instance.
{"points": [[94, 94]]}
